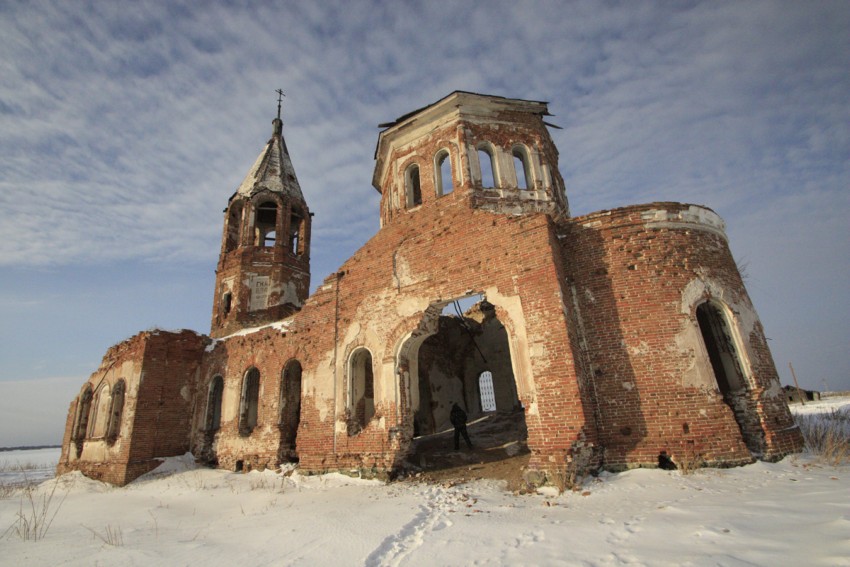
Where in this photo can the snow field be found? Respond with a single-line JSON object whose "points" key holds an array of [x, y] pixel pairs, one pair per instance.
{"points": [[795, 512]]}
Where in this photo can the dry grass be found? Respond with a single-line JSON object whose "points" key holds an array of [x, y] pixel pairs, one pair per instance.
{"points": [[35, 513], [827, 435], [110, 536], [689, 462], [7, 466]]}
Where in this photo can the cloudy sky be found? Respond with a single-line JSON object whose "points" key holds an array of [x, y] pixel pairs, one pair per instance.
{"points": [[125, 127]]}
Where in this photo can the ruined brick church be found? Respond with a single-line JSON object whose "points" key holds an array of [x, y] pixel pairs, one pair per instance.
{"points": [[605, 338]]}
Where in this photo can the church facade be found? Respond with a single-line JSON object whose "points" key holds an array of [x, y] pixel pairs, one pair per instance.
{"points": [[607, 338]]}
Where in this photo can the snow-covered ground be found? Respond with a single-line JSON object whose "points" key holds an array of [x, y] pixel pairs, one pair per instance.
{"points": [[795, 512]]}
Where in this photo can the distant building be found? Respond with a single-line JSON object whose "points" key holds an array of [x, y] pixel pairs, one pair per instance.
{"points": [[794, 395], [618, 334]]}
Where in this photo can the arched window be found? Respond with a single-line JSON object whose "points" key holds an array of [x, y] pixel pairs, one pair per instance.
{"points": [[295, 225], [411, 184], [722, 352], [81, 421], [443, 172], [212, 422], [486, 391], [116, 409], [485, 161], [521, 166], [226, 302], [266, 224], [290, 402], [248, 408], [361, 387], [234, 225], [100, 412]]}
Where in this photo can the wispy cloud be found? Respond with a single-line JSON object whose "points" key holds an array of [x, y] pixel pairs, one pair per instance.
{"points": [[126, 126]]}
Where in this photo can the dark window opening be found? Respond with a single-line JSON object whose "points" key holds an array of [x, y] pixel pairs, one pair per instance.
{"points": [[81, 421], [266, 224], [115, 412], [414, 191], [727, 368], [721, 349], [362, 390], [295, 222], [227, 302], [234, 225], [290, 408], [248, 409], [213, 417]]}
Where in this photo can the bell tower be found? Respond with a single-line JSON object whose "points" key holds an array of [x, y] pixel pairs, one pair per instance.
{"points": [[263, 272]]}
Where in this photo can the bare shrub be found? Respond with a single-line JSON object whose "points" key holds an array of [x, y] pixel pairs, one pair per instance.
{"points": [[35, 514], [111, 536], [827, 435], [6, 491], [262, 482], [689, 462]]}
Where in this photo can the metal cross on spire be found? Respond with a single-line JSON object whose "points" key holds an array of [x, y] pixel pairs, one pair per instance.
{"points": [[280, 96]]}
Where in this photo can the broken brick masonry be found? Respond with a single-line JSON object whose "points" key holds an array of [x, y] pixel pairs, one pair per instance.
{"points": [[620, 333]]}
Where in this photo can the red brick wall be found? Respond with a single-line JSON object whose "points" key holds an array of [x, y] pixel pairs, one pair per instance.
{"points": [[629, 278]]}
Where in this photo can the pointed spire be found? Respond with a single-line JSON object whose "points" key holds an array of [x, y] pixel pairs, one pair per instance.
{"points": [[273, 169]]}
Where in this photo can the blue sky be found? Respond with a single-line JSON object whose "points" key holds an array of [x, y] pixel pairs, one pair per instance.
{"points": [[126, 126]]}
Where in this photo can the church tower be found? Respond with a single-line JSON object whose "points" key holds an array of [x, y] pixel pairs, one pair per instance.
{"points": [[263, 272], [491, 152]]}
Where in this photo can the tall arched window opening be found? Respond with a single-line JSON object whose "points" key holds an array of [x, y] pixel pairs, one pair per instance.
{"points": [[721, 349], [249, 406], [116, 409], [485, 161], [486, 391], [100, 414], [266, 224], [411, 183], [295, 224], [81, 421], [361, 387], [523, 171], [443, 173], [723, 353], [212, 421], [290, 405], [234, 225]]}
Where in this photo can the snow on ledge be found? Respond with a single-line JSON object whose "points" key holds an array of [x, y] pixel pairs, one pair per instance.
{"points": [[281, 326]]}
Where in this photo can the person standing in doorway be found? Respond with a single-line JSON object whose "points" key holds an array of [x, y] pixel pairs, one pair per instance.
{"points": [[458, 419]]}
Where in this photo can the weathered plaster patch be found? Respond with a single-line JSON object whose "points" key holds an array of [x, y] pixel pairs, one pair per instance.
{"points": [[694, 217], [641, 349]]}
